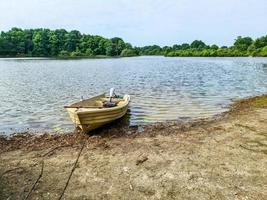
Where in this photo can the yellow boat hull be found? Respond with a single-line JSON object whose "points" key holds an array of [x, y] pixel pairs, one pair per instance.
{"points": [[90, 118]]}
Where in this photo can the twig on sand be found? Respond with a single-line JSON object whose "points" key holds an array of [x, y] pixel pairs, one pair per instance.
{"points": [[52, 150], [37, 180], [10, 170], [72, 170], [254, 150], [42, 169]]}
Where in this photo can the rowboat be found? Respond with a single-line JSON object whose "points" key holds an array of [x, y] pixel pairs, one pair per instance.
{"points": [[92, 113]]}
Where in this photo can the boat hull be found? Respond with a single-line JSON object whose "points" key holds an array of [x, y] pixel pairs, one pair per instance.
{"points": [[90, 119]]}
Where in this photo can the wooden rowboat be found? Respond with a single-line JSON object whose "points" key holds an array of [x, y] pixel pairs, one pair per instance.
{"points": [[93, 113]]}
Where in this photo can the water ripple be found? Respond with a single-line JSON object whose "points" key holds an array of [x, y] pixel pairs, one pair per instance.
{"points": [[33, 92]]}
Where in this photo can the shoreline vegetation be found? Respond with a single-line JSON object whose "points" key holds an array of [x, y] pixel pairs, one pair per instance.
{"points": [[64, 44], [219, 158]]}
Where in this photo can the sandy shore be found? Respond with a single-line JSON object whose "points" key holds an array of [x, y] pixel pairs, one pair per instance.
{"points": [[220, 158]]}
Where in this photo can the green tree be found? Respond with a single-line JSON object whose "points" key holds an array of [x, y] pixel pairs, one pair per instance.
{"points": [[214, 47], [118, 45], [260, 42], [176, 47], [150, 50], [28, 41], [41, 42], [263, 51], [59, 42], [72, 40], [13, 42], [111, 49], [242, 43], [185, 46], [197, 44], [166, 50], [128, 53]]}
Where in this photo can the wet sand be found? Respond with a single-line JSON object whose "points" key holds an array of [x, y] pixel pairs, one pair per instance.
{"points": [[220, 158]]}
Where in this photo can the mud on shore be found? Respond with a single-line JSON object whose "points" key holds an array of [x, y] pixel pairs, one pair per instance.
{"points": [[219, 158]]}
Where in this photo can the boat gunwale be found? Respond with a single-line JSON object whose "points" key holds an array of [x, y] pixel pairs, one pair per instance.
{"points": [[98, 109], [82, 101]]}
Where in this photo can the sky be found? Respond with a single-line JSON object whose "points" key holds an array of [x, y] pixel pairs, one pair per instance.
{"points": [[143, 22]]}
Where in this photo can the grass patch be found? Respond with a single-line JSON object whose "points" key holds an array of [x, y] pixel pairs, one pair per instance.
{"points": [[244, 105], [259, 102]]}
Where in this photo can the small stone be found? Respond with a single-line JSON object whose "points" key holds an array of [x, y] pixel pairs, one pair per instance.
{"points": [[141, 160]]}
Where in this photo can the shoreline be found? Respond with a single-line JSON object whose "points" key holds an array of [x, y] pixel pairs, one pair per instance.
{"points": [[62, 57], [110, 130], [220, 158], [116, 57]]}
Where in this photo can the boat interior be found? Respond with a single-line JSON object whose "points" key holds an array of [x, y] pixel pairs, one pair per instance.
{"points": [[101, 101]]}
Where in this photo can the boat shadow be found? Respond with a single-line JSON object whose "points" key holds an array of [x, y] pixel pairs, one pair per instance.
{"points": [[117, 128]]}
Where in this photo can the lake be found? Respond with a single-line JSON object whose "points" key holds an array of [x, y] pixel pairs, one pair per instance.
{"points": [[34, 91]]}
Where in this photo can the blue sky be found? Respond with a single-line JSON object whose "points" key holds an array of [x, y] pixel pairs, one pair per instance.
{"points": [[143, 22]]}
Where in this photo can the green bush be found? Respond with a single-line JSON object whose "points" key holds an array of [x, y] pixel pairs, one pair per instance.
{"points": [[128, 53], [64, 53], [76, 54]]}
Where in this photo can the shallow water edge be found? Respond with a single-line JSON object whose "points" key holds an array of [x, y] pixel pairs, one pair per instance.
{"points": [[117, 130]]}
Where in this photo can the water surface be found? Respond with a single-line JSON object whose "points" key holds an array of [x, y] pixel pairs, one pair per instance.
{"points": [[34, 91]]}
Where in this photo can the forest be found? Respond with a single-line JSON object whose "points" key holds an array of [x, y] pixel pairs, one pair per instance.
{"points": [[41, 42]]}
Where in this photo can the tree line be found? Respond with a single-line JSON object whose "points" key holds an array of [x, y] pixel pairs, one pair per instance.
{"points": [[243, 46], [62, 43]]}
